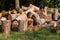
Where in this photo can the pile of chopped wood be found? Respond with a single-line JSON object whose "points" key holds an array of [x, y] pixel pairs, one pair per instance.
{"points": [[30, 18]]}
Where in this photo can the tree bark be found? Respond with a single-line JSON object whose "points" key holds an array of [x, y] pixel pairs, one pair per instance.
{"points": [[22, 22], [56, 14], [17, 5], [22, 26], [6, 27]]}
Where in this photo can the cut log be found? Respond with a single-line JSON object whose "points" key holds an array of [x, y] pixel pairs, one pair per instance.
{"points": [[36, 19], [0, 14], [6, 27], [9, 17], [36, 28], [3, 19], [6, 15], [22, 26], [32, 8], [54, 24], [24, 8], [45, 9], [56, 14], [59, 16], [14, 11], [42, 20], [30, 28], [29, 14], [15, 25], [50, 27], [58, 26], [14, 16], [23, 22], [51, 10], [48, 18], [30, 24]]}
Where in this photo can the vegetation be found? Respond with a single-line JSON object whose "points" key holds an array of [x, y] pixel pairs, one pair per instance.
{"points": [[49, 3], [40, 35]]}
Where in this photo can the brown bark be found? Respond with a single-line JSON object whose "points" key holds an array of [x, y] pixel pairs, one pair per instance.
{"points": [[6, 27], [56, 14], [17, 5], [22, 26]]}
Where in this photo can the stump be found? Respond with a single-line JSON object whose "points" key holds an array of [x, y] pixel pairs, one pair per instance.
{"points": [[6, 27]]}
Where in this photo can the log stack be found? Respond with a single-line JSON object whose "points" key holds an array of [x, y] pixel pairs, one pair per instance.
{"points": [[29, 18]]}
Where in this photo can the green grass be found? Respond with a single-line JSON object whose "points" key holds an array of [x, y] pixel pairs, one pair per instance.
{"points": [[40, 35]]}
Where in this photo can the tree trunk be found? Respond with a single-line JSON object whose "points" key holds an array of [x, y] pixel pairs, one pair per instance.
{"points": [[17, 5]]}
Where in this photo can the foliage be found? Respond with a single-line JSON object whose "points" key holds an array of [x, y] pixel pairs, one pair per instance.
{"points": [[49, 3], [39, 3]]}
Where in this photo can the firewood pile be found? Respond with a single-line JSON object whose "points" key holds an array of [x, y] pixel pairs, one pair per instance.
{"points": [[30, 18]]}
